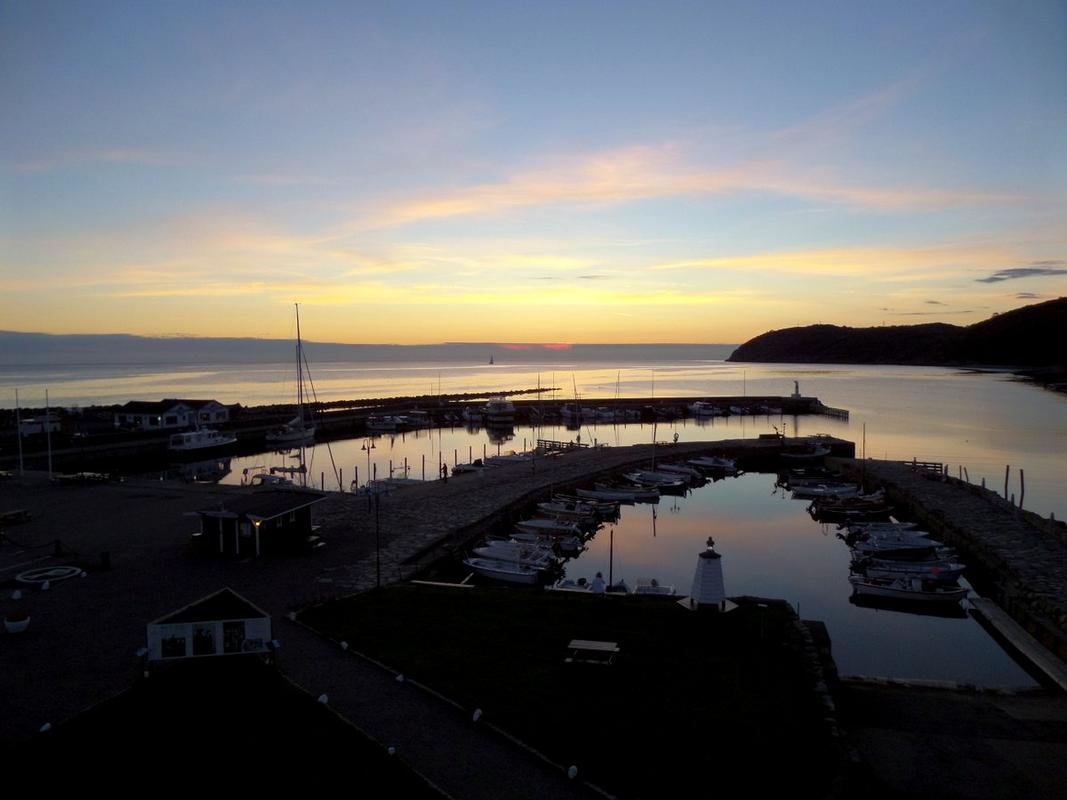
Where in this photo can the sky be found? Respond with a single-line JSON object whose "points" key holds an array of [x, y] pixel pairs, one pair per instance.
{"points": [[420, 172]]}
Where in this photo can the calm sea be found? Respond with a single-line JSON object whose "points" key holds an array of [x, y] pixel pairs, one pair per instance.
{"points": [[979, 422]]}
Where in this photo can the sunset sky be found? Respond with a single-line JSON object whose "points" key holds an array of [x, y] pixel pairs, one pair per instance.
{"points": [[498, 171]]}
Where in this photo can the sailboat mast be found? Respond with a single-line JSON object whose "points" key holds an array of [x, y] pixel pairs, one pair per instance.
{"points": [[299, 371]]}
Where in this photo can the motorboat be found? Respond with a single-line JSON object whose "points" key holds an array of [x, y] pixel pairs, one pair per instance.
{"points": [[553, 527], [623, 493], [912, 589], [665, 481], [577, 511], [499, 411], [506, 571], [693, 474], [713, 463], [519, 552], [650, 586], [943, 571], [702, 408], [200, 439], [563, 544]]}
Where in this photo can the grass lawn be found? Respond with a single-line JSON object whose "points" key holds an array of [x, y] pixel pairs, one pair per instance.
{"points": [[692, 697]]}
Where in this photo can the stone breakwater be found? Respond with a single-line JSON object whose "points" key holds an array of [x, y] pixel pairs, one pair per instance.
{"points": [[1019, 558]]}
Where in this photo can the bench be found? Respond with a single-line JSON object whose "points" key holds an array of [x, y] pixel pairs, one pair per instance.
{"points": [[586, 651], [14, 517]]}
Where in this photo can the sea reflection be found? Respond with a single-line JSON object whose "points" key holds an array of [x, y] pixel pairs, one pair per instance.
{"points": [[770, 547]]}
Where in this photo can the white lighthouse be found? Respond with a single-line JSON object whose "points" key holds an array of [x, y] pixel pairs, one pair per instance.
{"points": [[708, 590]]}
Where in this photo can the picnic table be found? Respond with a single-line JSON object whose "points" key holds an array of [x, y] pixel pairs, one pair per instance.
{"points": [[588, 651]]}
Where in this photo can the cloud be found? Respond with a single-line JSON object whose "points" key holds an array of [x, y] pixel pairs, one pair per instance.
{"points": [[1037, 269], [1029, 296], [592, 277], [927, 313], [867, 262], [647, 172], [933, 302]]}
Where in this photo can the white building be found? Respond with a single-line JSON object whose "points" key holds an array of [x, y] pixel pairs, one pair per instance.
{"points": [[223, 623]]}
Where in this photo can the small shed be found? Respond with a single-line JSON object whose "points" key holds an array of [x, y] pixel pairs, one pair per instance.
{"points": [[267, 522], [221, 624]]}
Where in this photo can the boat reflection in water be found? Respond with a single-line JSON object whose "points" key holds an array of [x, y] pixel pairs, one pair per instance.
{"points": [[211, 470], [946, 610]]}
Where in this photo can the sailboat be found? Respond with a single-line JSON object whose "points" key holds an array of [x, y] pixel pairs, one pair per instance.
{"points": [[297, 430]]}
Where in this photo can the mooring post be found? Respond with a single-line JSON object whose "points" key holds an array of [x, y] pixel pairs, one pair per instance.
{"points": [[960, 471], [355, 478], [341, 480], [1022, 487], [322, 480], [1007, 467], [966, 475], [424, 466]]}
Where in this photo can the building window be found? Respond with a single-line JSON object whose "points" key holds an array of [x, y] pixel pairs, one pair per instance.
{"points": [[172, 641], [172, 420], [204, 640], [233, 636]]}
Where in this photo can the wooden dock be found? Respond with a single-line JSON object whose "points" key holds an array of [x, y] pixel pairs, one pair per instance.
{"points": [[1025, 644]]}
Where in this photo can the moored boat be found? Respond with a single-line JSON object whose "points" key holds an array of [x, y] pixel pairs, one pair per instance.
{"points": [[506, 571], [200, 439], [912, 589]]}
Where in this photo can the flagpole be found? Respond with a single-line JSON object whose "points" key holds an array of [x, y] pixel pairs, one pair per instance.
{"points": [[48, 432], [18, 427]]}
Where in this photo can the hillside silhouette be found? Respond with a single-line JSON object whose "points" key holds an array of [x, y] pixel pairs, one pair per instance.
{"points": [[1029, 337]]}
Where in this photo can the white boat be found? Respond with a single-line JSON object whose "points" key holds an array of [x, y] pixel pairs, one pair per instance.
{"points": [[941, 571], [507, 571], [713, 463], [603, 508], [691, 473], [810, 492], [549, 526], [702, 408], [499, 411], [911, 589], [576, 511], [653, 587], [200, 439], [596, 586], [629, 493], [663, 480], [385, 423], [297, 430], [517, 552], [564, 544]]}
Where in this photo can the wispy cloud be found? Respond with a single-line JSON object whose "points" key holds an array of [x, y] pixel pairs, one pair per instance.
{"points": [[656, 171], [1030, 296], [933, 302], [855, 261], [1035, 270]]}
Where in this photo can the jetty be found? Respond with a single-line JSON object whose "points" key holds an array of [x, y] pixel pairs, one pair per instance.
{"points": [[1016, 558]]}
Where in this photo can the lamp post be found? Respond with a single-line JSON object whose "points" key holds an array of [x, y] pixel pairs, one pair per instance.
{"points": [[368, 445], [377, 541]]}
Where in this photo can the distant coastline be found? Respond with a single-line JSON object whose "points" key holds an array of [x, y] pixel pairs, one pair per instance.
{"points": [[1027, 341], [40, 349]]}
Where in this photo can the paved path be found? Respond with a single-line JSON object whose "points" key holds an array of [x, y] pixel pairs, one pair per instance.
{"points": [[463, 758]]}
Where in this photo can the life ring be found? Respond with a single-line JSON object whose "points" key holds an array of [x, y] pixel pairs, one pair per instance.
{"points": [[45, 574]]}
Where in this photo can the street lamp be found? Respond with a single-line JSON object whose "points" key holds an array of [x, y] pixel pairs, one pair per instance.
{"points": [[368, 445]]}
